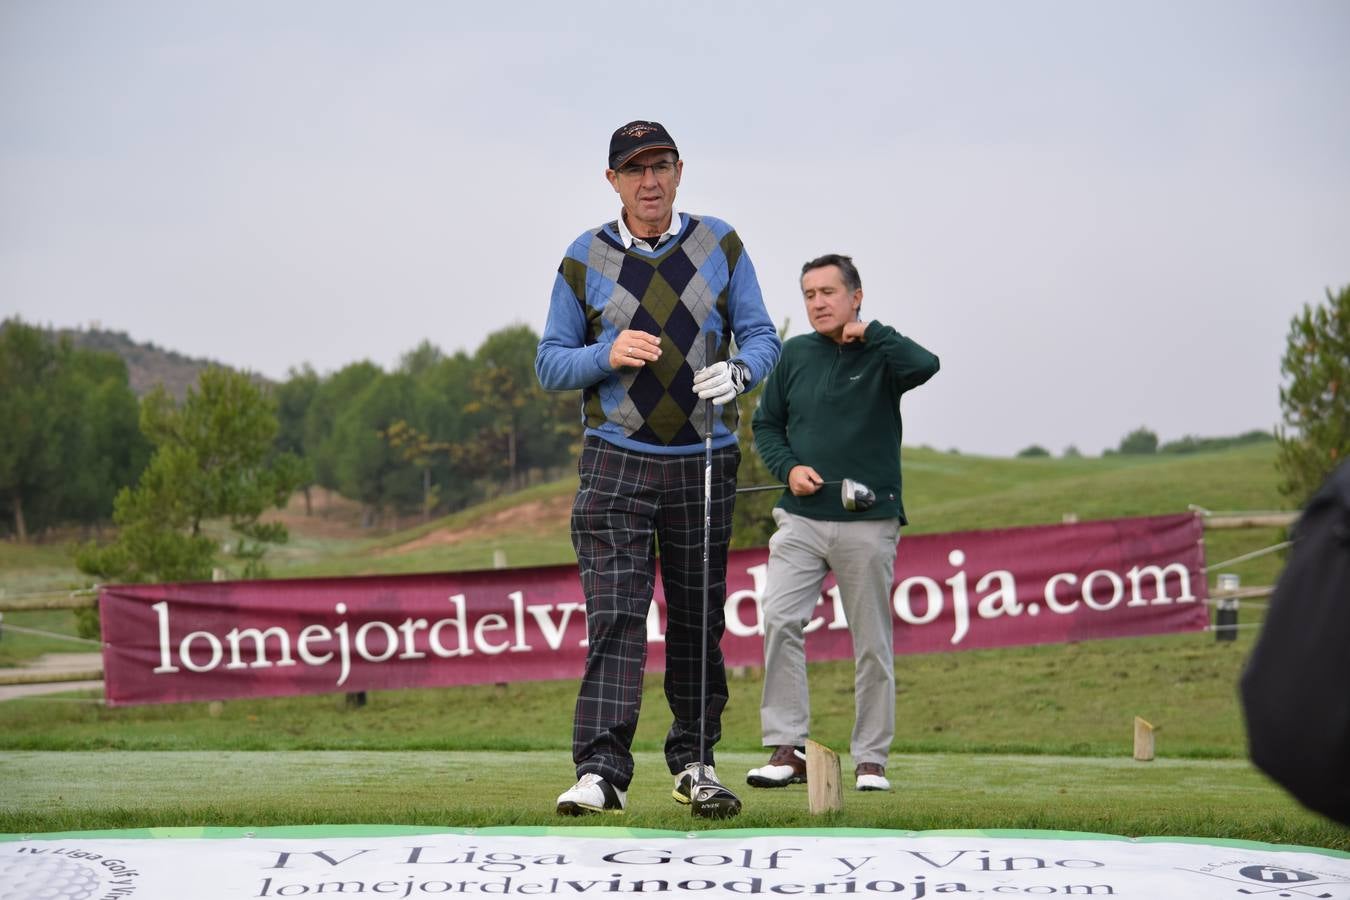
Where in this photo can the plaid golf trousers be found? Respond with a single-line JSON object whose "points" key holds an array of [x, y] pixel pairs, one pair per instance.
{"points": [[628, 504]]}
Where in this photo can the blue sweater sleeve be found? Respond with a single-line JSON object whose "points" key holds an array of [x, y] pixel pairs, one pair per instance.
{"points": [[564, 361], [757, 342]]}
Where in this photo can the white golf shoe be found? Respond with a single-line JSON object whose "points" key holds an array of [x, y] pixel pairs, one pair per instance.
{"points": [[786, 766], [698, 787], [684, 782], [591, 794], [871, 777]]}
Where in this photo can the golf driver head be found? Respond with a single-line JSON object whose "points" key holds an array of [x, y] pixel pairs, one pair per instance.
{"points": [[856, 496], [708, 799]]}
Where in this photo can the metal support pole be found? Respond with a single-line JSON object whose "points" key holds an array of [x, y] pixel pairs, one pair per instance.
{"points": [[1226, 611]]}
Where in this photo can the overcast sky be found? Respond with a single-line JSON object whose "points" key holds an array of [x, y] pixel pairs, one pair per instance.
{"points": [[1100, 215]]}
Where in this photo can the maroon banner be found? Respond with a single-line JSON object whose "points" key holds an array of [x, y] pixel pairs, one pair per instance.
{"points": [[1043, 584]]}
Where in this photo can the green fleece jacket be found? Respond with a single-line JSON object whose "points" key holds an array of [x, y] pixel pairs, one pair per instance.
{"points": [[836, 408]]}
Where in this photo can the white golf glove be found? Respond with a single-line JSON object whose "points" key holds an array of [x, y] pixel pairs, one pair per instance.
{"points": [[722, 381]]}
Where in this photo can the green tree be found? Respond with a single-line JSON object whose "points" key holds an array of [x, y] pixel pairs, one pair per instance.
{"points": [[368, 469], [1138, 442], [421, 359], [515, 423], [294, 398], [213, 460], [1032, 451], [420, 450], [30, 459], [444, 394], [321, 416], [1315, 397], [103, 449], [69, 439], [1195, 444]]}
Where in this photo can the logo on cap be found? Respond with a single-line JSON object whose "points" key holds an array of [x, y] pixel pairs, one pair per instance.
{"points": [[638, 130]]}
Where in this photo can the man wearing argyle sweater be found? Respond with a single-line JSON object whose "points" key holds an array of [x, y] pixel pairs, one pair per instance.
{"points": [[631, 304]]}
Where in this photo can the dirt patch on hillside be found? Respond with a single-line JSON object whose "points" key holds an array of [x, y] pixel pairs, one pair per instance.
{"points": [[537, 515], [330, 515]]}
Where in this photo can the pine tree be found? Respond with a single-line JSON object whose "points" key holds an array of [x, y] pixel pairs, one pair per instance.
{"points": [[1315, 398], [214, 460]]}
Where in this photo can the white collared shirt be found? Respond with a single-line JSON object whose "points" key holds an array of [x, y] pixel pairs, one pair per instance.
{"points": [[627, 236]]}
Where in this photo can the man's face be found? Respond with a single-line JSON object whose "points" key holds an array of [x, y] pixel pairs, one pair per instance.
{"points": [[829, 304], [646, 184]]}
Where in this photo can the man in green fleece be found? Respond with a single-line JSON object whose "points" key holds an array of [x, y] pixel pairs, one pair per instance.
{"points": [[831, 410]]}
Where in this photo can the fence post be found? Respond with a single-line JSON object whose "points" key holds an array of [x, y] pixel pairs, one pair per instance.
{"points": [[1226, 612], [1143, 739], [824, 787], [499, 562]]}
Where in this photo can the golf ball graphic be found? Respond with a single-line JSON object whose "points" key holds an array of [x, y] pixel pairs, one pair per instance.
{"points": [[45, 877]]}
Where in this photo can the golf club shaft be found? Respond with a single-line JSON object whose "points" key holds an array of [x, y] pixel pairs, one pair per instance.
{"points": [[777, 487], [710, 353]]}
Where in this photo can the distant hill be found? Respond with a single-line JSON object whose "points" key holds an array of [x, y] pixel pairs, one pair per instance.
{"points": [[147, 364], [944, 492]]}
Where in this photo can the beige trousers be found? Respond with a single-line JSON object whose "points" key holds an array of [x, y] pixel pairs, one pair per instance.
{"points": [[862, 556]]}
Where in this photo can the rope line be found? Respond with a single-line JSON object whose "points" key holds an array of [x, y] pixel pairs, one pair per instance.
{"points": [[1196, 508], [49, 634], [1246, 556], [33, 595]]}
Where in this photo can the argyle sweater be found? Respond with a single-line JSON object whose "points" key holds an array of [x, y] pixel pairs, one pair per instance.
{"points": [[700, 281]]}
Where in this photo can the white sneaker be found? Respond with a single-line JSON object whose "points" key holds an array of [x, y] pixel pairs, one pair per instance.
{"points": [[872, 777], [591, 794]]}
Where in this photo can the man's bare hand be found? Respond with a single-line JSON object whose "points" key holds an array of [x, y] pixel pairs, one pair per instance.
{"points": [[634, 349], [804, 481], [854, 331]]}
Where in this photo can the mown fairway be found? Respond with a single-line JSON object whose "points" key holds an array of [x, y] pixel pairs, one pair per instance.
{"points": [[74, 791], [1035, 737]]}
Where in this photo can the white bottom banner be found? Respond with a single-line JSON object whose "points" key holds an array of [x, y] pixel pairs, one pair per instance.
{"points": [[392, 862]]}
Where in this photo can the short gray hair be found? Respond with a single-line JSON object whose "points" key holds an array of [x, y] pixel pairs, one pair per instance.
{"points": [[852, 280]]}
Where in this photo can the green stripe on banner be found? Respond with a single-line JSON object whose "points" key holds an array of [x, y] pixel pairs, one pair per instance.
{"points": [[577, 831]]}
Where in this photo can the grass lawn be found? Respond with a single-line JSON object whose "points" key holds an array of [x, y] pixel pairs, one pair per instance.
{"points": [[1028, 738], [1025, 738], [19, 646], [1063, 699], [92, 790]]}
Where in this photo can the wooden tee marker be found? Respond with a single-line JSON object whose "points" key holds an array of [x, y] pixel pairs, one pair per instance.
{"points": [[824, 790], [1143, 740]]}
